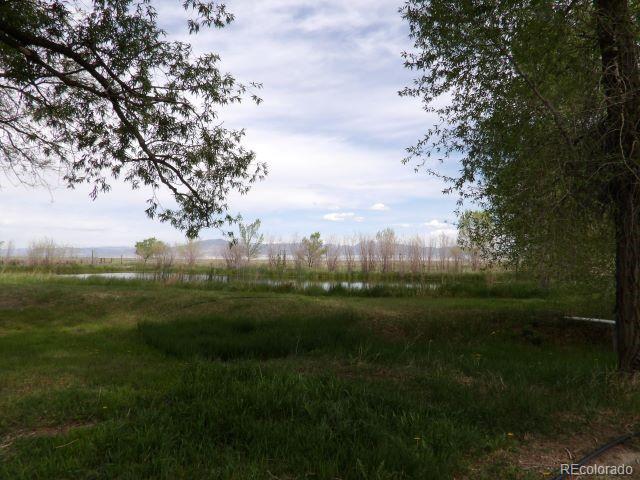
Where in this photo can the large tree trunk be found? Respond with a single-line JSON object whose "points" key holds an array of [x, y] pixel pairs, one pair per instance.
{"points": [[621, 149], [628, 277]]}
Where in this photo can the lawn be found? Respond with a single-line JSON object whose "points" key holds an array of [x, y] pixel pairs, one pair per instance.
{"points": [[115, 379]]}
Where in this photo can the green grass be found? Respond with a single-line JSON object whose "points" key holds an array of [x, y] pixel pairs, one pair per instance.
{"points": [[224, 337], [432, 285], [107, 379]]}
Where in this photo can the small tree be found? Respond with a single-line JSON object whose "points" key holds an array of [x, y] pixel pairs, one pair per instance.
{"points": [[191, 252], [332, 257], [349, 250], [456, 255], [387, 244], [233, 255], [250, 239], [416, 254], [431, 248], [444, 245], [367, 253], [276, 254], [272, 253], [297, 250], [313, 249], [164, 255], [148, 248], [8, 251], [45, 252]]}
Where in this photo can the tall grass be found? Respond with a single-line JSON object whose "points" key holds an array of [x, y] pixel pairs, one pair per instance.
{"points": [[472, 285], [217, 337]]}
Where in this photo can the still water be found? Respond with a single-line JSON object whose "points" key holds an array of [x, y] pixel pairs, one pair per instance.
{"points": [[296, 283]]}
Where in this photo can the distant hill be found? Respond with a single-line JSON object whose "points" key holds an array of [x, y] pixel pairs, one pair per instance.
{"points": [[210, 248]]}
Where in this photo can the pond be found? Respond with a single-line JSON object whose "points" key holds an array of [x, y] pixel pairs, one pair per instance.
{"points": [[213, 278]]}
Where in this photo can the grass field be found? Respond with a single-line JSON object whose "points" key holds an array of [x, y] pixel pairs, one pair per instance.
{"points": [[113, 379]]}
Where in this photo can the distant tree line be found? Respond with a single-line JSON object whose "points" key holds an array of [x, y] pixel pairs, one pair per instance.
{"points": [[383, 252]]}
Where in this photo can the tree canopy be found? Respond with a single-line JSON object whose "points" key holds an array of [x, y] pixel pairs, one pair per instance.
{"points": [[149, 247], [516, 87], [99, 93]]}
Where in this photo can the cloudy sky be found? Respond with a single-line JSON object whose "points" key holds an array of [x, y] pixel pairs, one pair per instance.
{"points": [[332, 129]]}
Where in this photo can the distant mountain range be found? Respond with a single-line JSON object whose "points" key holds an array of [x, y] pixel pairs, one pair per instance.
{"points": [[209, 248]]}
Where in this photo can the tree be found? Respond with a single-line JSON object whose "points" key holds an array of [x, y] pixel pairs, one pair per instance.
{"points": [[233, 255], [8, 250], [298, 252], [444, 247], [100, 94], [544, 110], [149, 248], [250, 239], [191, 252], [349, 250], [164, 255], [367, 254], [476, 237], [386, 248], [431, 247], [46, 252], [276, 254], [332, 254], [416, 254], [313, 249], [272, 253]]}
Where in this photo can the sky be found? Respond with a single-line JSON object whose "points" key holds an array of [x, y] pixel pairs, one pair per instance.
{"points": [[332, 129]]}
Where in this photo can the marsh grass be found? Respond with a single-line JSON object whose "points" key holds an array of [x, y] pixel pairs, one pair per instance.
{"points": [[441, 286]]}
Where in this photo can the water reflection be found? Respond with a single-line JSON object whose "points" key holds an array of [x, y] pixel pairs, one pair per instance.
{"points": [[295, 283]]}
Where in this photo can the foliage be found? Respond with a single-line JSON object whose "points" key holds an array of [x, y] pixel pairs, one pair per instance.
{"points": [[386, 243], [99, 93], [45, 253], [524, 115], [149, 248], [233, 255], [250, 239], [313, 249], [477, 237], [190, 252]]}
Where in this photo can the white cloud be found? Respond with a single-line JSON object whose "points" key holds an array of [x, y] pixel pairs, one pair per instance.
{"points": [[340, 217], [380, 207], [437, 224]]}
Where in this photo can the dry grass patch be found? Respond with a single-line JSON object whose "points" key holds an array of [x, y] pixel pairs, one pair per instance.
{"points": [[542, 456], [43, 431]]}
